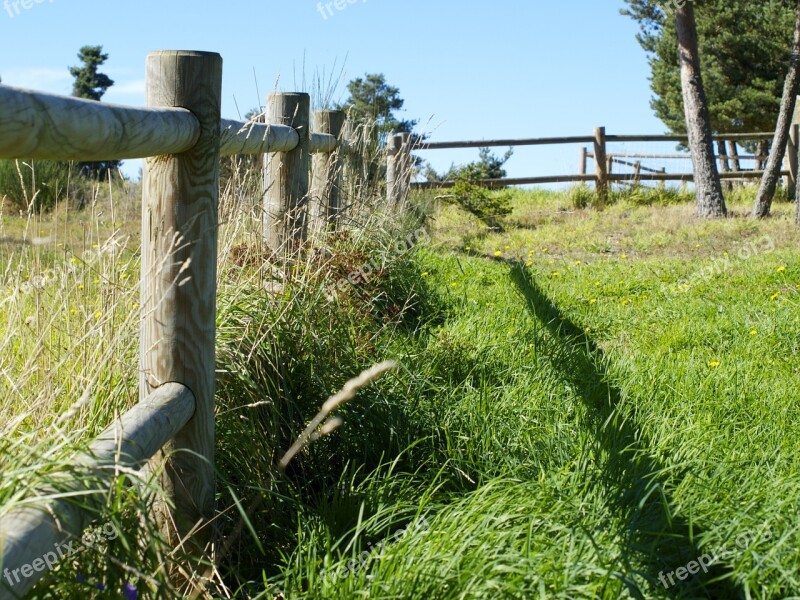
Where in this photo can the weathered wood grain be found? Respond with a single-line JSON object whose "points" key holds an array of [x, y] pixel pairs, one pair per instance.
{"points": [[286, 174], [247, 137], [178, 283], [47, 126], [326, 172]]}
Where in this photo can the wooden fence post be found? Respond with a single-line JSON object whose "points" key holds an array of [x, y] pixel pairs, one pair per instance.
{"points": [[326, 173], [582, 164], [398, 168], [286, 174], [600, 166], [178, 286], [791, 155]]}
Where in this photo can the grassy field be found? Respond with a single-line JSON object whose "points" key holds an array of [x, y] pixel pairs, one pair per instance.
{"points": [[587, 405]]}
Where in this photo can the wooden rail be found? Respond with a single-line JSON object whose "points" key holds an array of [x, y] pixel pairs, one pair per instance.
{"points": [[604, 159], [181, 135]]}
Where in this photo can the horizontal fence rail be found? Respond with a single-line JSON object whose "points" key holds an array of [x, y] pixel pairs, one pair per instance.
{"points": [[604, 160], [31, 536], [181, 135], [46, 126]]}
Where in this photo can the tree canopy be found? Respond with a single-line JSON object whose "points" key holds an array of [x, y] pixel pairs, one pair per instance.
{"points": [[744, 51], [92, 85], [89, 83], [372, 98]]}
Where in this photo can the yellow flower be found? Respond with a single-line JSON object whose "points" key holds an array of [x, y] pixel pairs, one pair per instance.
{"points": [[73, 260], [529, 264], [507, 247], [555, 273], [98, 314], [781, 269], [544, 249], [724, 254], [623, 255], [59, 245], [775, 296], [596, 284], [498, 253], [425, 274], [697, 245], [625, 303], [593, 301], [95, 245], [135, 305], [577, 262], [753, 332], [714, 364], [80, 286], [468, 248], [454, 284], [124, 276]]}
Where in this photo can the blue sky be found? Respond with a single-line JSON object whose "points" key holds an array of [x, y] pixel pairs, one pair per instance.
{"points": [[467, 70]]}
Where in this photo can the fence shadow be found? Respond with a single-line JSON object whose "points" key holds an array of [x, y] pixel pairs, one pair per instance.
{"points": [[632, 476]]}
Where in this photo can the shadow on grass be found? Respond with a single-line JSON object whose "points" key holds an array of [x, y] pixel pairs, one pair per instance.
{"points": [[633, 477]]}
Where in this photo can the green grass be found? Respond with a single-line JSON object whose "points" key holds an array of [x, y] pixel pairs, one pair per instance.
{"points": [[583, 403]]}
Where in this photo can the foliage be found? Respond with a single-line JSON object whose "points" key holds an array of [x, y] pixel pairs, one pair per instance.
{"points": [[92, 85], [374, 100], [34, 185], [744, 53], [488, 166], [486, 205]]}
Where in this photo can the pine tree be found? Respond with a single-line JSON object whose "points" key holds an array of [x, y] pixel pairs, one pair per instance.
{"points": [[92, 85]]}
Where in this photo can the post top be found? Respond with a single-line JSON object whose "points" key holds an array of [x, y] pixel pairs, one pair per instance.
{"points": [[197, 53]]}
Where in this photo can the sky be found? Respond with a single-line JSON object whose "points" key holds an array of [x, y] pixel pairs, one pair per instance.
{"points": [[467, 70]]}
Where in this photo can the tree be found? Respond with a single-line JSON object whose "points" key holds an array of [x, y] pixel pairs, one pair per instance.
{"points": [[710, 202], [769, 180], [743, 54], [371, 98], [89, 83], [92, 85], [488, 166]]}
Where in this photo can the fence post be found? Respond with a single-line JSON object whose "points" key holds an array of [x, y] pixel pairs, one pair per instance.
{"points": [[791, 155], [600, 166], [180, 194], [582, 164], [398, 168], [286, 174], [326, 173]]}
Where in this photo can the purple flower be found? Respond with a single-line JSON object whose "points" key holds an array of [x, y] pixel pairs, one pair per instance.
{"points": [[130, 592], [80, 578], [101, 587]]}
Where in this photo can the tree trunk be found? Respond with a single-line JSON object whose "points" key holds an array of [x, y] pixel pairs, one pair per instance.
{"points": [[710, 202], [790, 88]]}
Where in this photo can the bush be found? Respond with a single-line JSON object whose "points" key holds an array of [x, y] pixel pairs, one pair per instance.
{"points": [[36, 182], [486, 205]]}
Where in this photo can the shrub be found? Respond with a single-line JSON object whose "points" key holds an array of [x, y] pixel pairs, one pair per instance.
{"points": [[36, 182]]}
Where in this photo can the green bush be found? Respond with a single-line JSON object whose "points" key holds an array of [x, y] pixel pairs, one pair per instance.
{"points": [[488, 206], [36, 182]]}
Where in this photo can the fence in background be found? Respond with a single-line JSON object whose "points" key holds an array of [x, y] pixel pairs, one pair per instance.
{"points": [[182, 136], [604, 160]]}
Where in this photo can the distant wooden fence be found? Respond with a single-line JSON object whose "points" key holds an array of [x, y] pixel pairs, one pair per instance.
{"points": [[182, 136], [604, 160]]}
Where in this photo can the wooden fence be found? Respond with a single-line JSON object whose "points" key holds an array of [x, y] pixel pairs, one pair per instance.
{"points": [[182, 136], [604, 160]]}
